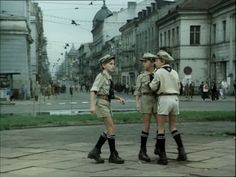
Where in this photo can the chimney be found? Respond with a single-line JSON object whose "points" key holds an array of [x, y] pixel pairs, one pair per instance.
{"points": [[131, 5], [131, 9]]}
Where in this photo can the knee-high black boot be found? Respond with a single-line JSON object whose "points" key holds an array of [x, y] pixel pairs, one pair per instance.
{"points": [[143, 148], [162, 155], [182, 156], [114, 156], [96, 151], [157, 149]]}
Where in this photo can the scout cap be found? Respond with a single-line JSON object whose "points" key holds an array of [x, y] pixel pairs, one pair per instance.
{"points": [[148, 56], [165, 56], [106, 59]]}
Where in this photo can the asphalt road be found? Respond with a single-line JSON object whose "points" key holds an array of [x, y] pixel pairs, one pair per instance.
{"points": [[79, 102]]}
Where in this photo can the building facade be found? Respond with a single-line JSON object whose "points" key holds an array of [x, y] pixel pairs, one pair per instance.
{"points": [[200, 36], [138, 36], [18, 47], [84, 72], [222, 44]]}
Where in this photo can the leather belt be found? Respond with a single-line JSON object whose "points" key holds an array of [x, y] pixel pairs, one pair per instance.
{"points": [[150, 94], [105, 97], [167, 94]]}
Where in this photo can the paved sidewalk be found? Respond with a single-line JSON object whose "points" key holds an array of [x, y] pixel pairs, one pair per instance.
{"points": [[62, 152]]}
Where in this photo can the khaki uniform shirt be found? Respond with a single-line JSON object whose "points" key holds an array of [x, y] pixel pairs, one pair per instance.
{"points": [[101, 84], [142, 84], [148, 97], [165, 82]]}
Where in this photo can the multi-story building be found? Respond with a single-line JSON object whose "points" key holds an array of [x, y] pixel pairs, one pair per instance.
{"points": [[222, 42], [199, 34], [18, 47], [71, 65], [106, 26], [39, 58], [189, 32], [138, 36], [84, 72], [15, 45]]}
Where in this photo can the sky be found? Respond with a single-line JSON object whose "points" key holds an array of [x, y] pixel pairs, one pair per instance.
{"points": [[57, 17]]}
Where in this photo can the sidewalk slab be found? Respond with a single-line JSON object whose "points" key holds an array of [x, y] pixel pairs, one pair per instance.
{"points": [[62, 152]]}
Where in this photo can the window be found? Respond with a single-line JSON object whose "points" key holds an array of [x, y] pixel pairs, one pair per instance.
{"points": [[173, 37], [224, 30], [177, 35], [194, 35], [168, 37], [161, 43], [214, 33], [165, 39]]}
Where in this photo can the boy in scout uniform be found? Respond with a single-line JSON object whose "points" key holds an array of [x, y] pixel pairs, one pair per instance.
{"points": [[145, 101], [100, 103], [166, 83]]}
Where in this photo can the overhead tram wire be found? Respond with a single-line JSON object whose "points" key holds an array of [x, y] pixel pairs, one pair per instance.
{"points": [[68, 24], [85, 4], [88, 21]]}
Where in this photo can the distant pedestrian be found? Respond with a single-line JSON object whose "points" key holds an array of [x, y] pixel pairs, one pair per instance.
{"points": [[214, 92], [49, 90], [235, 88], [166, 83], [224, 87], [24, 91], [205, 94], [103, 91], [36, 91], [181, 90], [71, 90], [201, 88], [191, 90], [187, 91], [146, 102]]}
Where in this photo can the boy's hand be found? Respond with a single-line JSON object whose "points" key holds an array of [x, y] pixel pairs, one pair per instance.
{"points": [[122, 101], [92, 109]]}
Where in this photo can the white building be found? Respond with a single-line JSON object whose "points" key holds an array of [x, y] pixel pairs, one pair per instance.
{"points": [[199, 34], [222, 57], [200, 37]]}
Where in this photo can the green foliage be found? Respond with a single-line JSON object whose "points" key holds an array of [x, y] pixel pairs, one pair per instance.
{"points": [[8, 122]]}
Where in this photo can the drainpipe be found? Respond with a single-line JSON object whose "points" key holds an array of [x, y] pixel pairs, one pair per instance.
{"points": [[210, 52], [231, 73]]}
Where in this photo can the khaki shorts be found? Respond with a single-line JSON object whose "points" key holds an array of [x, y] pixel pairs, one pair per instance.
{"points": [[168, 105], [148, 104], [102, 108]]}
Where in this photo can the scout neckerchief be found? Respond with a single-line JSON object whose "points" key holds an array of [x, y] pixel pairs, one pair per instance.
{"points": [[167, 68]]}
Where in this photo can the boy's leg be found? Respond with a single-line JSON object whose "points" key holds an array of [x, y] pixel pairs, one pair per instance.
{"points": [[144, 136], [161, 140], [177, 137], [96, 151], [114, 156]]}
